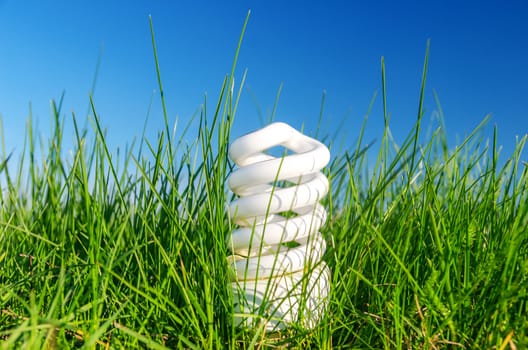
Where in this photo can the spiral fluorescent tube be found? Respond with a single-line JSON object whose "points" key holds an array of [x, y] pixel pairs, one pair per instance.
{"points": [[279, 277]]}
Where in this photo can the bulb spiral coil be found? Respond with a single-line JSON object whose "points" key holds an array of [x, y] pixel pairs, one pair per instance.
{"points": [[277, 249]]}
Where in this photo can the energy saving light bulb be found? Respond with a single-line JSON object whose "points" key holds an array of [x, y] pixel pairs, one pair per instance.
{"points": [[279, 277]]}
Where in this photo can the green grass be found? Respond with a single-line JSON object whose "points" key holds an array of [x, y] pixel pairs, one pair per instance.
{"points": [[428, 246]]}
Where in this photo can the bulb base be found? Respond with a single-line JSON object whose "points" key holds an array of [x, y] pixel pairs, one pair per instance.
{"points": [[300, 297]]}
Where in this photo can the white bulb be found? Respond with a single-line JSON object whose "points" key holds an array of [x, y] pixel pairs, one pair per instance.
{"points": [[277, 260]]}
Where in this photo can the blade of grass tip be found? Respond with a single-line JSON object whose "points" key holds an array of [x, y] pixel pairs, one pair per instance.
{"points": [[275, 104], [331, 139], [420, 111], [3, 165], [83, 176], [383, 153], [228, 115], [462, 145], [203, 128], [362, 135], [186, 129], [494, 160], [21, 163], [225, 136], [386, 118], [94, 80], [144, 132], [384, 92], [57, 139], [321, 113], [441, 120], [32, 166], [107, 153], [239, 45], [242, 84], [225, 126], [160, 85], [257, 106]]}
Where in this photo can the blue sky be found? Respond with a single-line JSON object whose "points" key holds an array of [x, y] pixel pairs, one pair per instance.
{"points": [[477, 65]]}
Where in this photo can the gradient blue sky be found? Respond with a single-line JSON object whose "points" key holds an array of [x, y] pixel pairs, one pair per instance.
{"points": [[478, 56]]}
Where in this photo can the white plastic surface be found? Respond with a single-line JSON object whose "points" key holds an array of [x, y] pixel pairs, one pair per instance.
{"points": [[278, 273]]}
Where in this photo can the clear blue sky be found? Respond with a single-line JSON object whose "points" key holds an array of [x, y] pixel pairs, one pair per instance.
{"points": [[478, 56]]}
